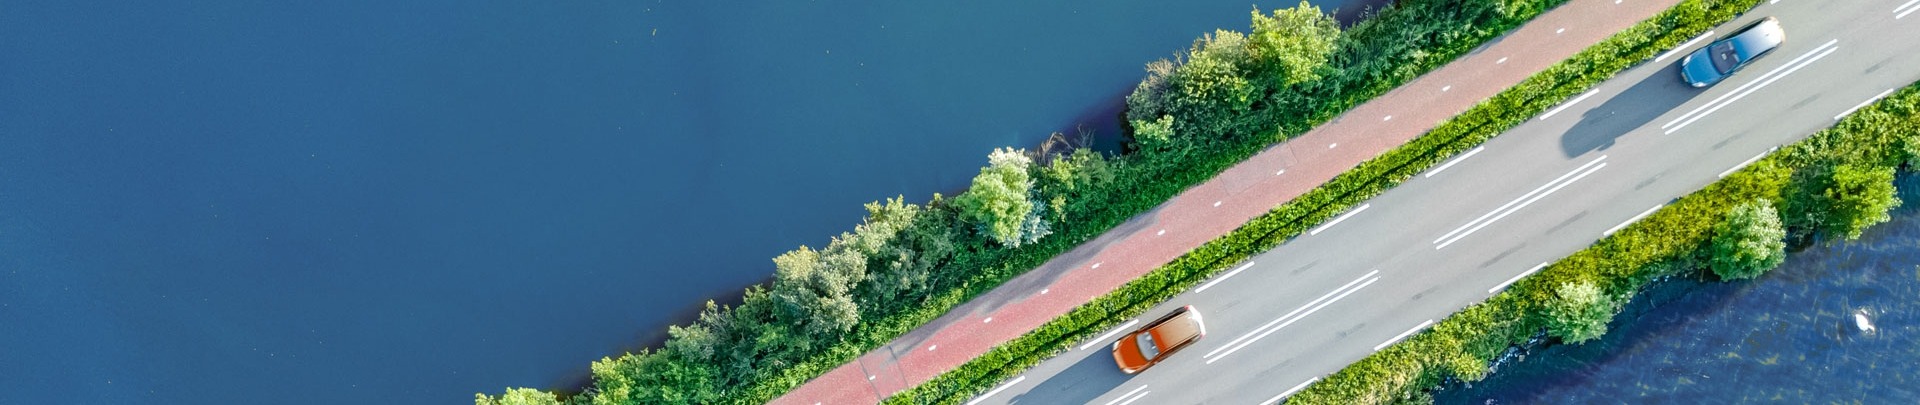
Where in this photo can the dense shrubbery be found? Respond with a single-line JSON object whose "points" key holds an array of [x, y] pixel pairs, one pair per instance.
{"points": [[1230, 96], [1749, 241]]}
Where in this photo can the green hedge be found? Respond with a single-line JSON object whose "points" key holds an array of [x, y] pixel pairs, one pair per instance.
{"points": [[1461, 133]]}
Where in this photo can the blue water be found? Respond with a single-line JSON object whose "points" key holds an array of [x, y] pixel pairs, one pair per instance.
{"points": [[1787, 337], [409, 202]]}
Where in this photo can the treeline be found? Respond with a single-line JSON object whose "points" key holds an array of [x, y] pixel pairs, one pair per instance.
{"points": [[1227, 97], [1831, 186]]}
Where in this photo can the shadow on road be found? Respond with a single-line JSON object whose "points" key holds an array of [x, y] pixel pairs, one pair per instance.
{"points": [[1091, 377], [1630, 110]]}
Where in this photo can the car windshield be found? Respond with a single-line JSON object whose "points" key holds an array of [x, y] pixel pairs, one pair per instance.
{"points": [[1147, 349], [1724, 58]]}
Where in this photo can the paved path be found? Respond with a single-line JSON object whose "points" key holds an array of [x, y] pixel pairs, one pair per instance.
{"points": [[1221, 204]]}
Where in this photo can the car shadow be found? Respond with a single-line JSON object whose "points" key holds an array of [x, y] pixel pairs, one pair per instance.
{"points": [[1091, 377], [1628, 111]]}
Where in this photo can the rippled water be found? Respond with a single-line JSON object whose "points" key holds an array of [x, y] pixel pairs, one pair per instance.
{"points": [[1789, 336]]}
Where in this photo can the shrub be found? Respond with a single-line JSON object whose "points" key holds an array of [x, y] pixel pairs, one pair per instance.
{"points": [[1000, 201], [1860, 197], [1749, 241], [1581, 312]]}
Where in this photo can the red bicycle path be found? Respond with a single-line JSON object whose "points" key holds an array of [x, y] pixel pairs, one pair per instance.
{"points": [[1217, 206]]}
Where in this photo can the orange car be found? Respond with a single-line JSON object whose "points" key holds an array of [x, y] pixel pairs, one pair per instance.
{"points": [[1148, 345]]}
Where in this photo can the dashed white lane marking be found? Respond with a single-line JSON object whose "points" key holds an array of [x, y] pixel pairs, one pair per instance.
{"points": [[1403, 335], [1282, 171], [1204, 287], [1683, 46], [1630, 221], [1446, 88], [1576, 100], [1749, 161], [1902, 14], [1103, 337], [1142, 395], [1128, 394], [1517, 278], [870, 378], [1560, 30], [1455, 160], [1502, 60], [1331, 145], [1864, 104], [1388, 118], [1290, 391], [1509, 208], [988, 320], [1162, 232], [1043, 291], [1342, 217], [1097, 265], [1762, 82], [1311, 306], [1216, 203], [1003, 387], [930, 348]]}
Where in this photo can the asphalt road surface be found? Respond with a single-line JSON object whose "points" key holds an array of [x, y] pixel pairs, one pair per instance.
{"points": [[1467, 228]]}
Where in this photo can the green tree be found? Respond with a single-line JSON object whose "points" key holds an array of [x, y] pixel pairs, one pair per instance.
{"points": [[1581, 312], [1000, 201], [1211, 90], [1293, 44], [1148, 100], [1749, 241], [814, 289], [1156, 137], [518, 396], [1067, 181], [1860, 197]]}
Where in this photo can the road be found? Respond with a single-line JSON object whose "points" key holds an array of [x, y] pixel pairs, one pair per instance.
{"points": [[1545, 189]]}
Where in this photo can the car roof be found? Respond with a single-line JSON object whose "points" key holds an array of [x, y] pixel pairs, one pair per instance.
{"points": [[1175, 331], [1761, 37]]}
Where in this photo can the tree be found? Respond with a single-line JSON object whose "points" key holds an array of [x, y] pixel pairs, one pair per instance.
{"points": [[1211, 90], [518, 396], [1000, 201], [1749, 241], [1581, 313], [1067, 179], [1860, 197], [814, 289], [1156, 136], [1293, 44], [1148, 100]]}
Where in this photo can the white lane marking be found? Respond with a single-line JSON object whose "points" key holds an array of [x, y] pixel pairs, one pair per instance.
{"points": [[1282, 171], [1142, 395], [1302, 315], [1403, 335], [1576, 100], [1502, 60], [1903, 14], [930, 348], [1290, 314], [1523, 201], [989, 320], [1097, 265], [1744, 86], [1823, 54], [1388, 118], [1560, 30], [1749, 161], [1290, 391], [1216, 203], [1043, 291], [1103, 337], [1003, 387], [1342, 217], [1331, 145], [1455, 160], [1864, 104], [1162, 232], [1510, 281], [1129, 394], [1444, 89], [1683, 46], [1203, 287], [1630, 221]]}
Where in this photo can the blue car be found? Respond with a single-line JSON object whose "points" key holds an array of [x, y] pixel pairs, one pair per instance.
{"points": [[1721, 58]]}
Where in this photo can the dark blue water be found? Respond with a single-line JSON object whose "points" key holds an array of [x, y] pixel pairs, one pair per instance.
{"points": [[409, 202], [1787, 337]]}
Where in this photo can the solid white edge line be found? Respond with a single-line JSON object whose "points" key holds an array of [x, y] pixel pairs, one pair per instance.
{"points": [[1263, 335], [1455, 160], [1576, 100], [1904, 6], [1223, 277], [1683, 46], [1864, 104], [1743, 86], [1630, 221], [1749, 161], [1903, 14], [1476, 228], [1309, 304], [1768, 82], [1510, 281], [1342, 217], [1522, 197], [1290, 391], [1403, 335], [1142, 395], [1128, 394], [1003, 387], [1103, 337]]}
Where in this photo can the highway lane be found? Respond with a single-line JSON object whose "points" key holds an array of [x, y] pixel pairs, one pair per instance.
{"points": [[1543, 190]]}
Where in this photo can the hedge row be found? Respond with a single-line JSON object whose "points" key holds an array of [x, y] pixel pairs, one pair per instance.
{"points": [[1461, 133]]}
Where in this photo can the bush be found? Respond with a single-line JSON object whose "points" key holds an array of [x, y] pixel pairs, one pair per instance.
{"points": [[1000, 201], [1581, 312], [1860, 197], [1749, 241]]}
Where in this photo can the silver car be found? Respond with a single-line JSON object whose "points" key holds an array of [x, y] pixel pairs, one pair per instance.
{"points": [[1721, 58]]}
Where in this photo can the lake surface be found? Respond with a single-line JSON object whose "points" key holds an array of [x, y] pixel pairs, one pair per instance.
{"points": [[1787, 337], [409, 202]]}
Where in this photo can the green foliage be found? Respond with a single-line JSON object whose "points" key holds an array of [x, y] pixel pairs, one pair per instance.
{"points": [[1148, 100], [1212, 89], [518, 396], [1581, 312], [1860, 197], [1749, 242], [1292, 45], [814, 289], [1068, 181], [1000, 202]]}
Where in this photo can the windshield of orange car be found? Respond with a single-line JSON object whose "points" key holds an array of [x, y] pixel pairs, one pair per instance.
{"points": [[1147, 349]]}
